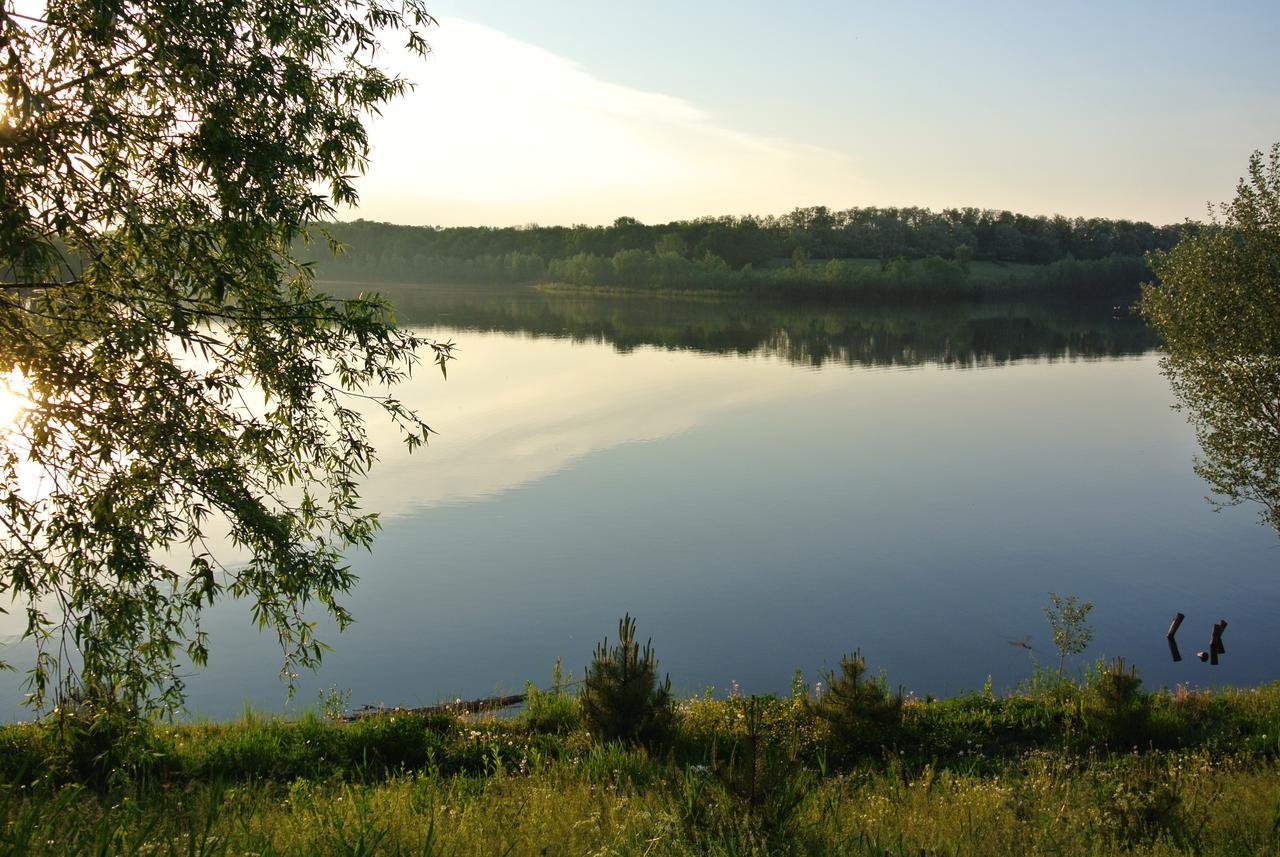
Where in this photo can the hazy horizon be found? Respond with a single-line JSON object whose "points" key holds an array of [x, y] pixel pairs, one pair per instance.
{"points": [[352, 215]]}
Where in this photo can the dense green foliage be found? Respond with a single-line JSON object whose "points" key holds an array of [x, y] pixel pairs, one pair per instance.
{"points": [[1217, 305], [811, 251], [1024, 773], [458, 254], [932, 277], [179, 375]]}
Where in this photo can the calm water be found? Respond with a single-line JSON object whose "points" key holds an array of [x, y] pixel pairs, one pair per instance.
{"points": [[766, 488]]}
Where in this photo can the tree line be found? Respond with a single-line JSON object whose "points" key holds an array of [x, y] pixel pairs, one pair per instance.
{"points": [[686, 250]]}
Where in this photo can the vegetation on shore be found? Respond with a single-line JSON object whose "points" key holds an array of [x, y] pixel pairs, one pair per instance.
{"points": [[811, 252], [1215, 307], [933, 276], [848, 767]]}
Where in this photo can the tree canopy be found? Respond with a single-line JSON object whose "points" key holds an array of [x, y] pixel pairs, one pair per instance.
{"points": [[385, 251], [174, 364], [1217, 305]]}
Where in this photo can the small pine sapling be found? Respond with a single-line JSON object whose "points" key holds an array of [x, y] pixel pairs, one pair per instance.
{"points": [[621, 698], [860, 712], [1115, 709]]}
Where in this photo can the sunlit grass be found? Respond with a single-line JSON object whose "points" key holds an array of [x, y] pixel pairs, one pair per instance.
{"points": [[978, 774], [1182, 803]]}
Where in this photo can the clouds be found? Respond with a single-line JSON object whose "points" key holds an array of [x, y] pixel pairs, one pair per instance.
{"points": [[518, 408], [502, 132]]}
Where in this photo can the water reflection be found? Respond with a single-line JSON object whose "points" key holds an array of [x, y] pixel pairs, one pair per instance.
{"points": [[951, 333], [670, 459], [516, 409]]}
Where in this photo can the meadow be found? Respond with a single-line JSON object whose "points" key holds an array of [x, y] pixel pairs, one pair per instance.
{"points": [[1089, 767]]}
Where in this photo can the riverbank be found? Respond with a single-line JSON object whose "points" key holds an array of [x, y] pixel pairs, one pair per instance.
{"points": [[853, 281], [1049, 770], [848, 280]]}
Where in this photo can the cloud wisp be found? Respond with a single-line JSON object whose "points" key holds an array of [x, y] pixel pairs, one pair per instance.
{"points": [[502, 132]]}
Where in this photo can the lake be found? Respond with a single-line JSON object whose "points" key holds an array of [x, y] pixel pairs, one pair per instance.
{"points": [[766, 487]]}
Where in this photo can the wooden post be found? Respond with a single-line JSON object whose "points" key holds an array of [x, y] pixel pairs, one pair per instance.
{"points": [[1173, 627], [1173, 649], [1216, 639]]}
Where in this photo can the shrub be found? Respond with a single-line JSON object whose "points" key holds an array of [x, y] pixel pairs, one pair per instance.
{"points": [[1115, 711], [553, 710], [621, 698], [860, 713], [396, 741], [763, 771], [96, 739]]}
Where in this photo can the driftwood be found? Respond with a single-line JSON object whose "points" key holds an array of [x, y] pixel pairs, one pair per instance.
{"points": [[461, 706], [1173, 629], [1215, 642]]}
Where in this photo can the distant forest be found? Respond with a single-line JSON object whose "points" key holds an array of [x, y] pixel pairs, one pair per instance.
{"points": [[810, 249]]}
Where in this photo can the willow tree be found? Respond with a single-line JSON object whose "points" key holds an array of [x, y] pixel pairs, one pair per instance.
{"points": [[177, 369], [1217, 305]]}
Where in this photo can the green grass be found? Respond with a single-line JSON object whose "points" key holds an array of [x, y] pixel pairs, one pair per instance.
{"points": [[976, 774], [629, 803]]}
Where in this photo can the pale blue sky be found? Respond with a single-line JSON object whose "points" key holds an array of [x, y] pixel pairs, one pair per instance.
{"points": [[1141, 110]]}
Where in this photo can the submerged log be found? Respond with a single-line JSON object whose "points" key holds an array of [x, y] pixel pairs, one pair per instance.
{"points": [[1173, 649], [461, 706]]}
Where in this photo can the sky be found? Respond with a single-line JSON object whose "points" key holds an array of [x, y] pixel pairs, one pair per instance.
{"points": [[582, 112]]}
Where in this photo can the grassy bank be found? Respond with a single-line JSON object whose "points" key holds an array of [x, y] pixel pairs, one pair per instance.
{"points": [[1056, 770]]}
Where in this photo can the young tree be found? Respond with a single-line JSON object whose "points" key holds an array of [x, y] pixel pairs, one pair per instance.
{"points": [[622, 699], [1069, 621], [157, 162], [860, 712], [1217, 305]]}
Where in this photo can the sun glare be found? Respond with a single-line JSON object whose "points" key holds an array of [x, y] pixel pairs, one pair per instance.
{"points": [[13, 399]]}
